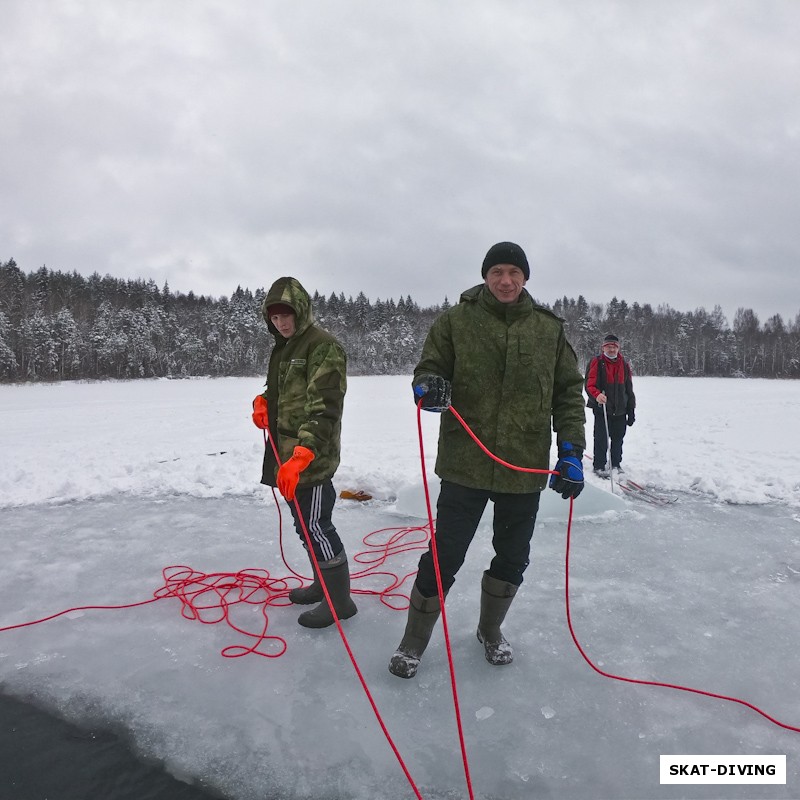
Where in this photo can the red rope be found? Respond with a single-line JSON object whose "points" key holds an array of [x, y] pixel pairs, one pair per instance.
{"points": [[435, 555], [345, 642], [569, 615], [440, 590], [496, 458], [653, 683], [203, 594], [226, 590], [71, 610]]}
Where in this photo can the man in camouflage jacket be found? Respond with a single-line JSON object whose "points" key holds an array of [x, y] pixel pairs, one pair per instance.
{"points": [[505, 364], [302, 409]]}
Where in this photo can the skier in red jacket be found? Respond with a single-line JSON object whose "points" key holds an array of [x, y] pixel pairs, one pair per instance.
{"points": [[610, 389]]}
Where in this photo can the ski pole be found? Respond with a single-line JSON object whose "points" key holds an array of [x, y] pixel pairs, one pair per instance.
{"points": [[608, 448]]}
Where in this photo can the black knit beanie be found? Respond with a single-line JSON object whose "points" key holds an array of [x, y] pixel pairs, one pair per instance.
{"points": [[506, 253], [610, 338], [279, 308]]}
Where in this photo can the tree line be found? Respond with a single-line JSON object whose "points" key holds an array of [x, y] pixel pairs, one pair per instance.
{"points": [[64, 326]]}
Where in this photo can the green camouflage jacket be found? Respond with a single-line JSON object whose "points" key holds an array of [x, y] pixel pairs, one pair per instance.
{"points": [[306, 384], [513, 375]]}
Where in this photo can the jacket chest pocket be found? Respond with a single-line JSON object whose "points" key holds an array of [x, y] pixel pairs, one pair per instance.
{"points": [[526, 364], [291, 372], [533, 378]]}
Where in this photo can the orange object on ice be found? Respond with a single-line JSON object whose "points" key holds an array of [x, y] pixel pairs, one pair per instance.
{"points": [[359, 495]]}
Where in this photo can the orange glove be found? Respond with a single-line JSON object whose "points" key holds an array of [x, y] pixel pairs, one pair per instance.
{"points": [[289, 473], [260, 418]]}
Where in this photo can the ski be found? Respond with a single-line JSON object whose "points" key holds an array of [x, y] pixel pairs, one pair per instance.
{"points": [[637, 491]]}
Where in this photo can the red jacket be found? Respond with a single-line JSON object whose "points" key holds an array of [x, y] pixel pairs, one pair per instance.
{"points": [[613, 378]]}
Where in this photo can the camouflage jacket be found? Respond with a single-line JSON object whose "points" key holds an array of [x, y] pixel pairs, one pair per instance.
{"points": [[513, 374], [306, 384]]}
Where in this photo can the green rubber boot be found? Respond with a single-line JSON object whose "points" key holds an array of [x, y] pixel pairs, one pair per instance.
{"points": [[422, 615], [496, 599], [305, 595], [336, 574]]}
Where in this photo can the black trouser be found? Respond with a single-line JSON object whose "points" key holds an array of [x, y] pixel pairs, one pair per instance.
{"points": [[316, 505], [616, 430], [458, 513]]}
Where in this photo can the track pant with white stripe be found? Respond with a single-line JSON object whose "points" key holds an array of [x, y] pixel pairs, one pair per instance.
{"points": [[316, 506]]}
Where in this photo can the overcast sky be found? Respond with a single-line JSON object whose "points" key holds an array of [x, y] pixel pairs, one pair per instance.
{"points": [[648, 150]]}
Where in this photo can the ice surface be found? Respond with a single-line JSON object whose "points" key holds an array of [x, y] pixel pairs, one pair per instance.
{"points": [[105, 485]]}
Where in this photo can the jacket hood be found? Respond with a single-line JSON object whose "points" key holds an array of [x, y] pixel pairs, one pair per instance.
{"points": [[289, 292]]}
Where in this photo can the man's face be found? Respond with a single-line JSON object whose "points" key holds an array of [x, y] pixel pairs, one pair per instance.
{"points": [[611, 349], [505, 282], [285, 323]]}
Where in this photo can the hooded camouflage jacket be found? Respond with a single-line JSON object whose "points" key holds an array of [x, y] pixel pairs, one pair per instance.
{"points": [[513, 374], [306, 384]]}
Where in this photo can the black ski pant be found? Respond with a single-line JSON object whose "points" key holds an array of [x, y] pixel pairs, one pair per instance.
{"points": [[458, 513], [316, 506], [616, 430]]}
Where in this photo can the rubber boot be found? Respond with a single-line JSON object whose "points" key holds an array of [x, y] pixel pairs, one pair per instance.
{"points": [[422, 615], [336, 574], [496, 599], [305, 595]]}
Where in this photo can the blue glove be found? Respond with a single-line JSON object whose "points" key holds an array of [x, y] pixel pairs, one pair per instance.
{"points": [[569, 481], [434, 391], [631, 418]]}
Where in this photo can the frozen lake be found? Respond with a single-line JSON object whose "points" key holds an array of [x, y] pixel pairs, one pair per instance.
{"points": [[104, 486]]}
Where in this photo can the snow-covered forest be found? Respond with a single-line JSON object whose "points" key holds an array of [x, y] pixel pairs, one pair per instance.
{"points": [[57, 326]]}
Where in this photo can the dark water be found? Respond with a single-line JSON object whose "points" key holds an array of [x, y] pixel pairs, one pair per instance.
{"points": [[45, 758]]}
